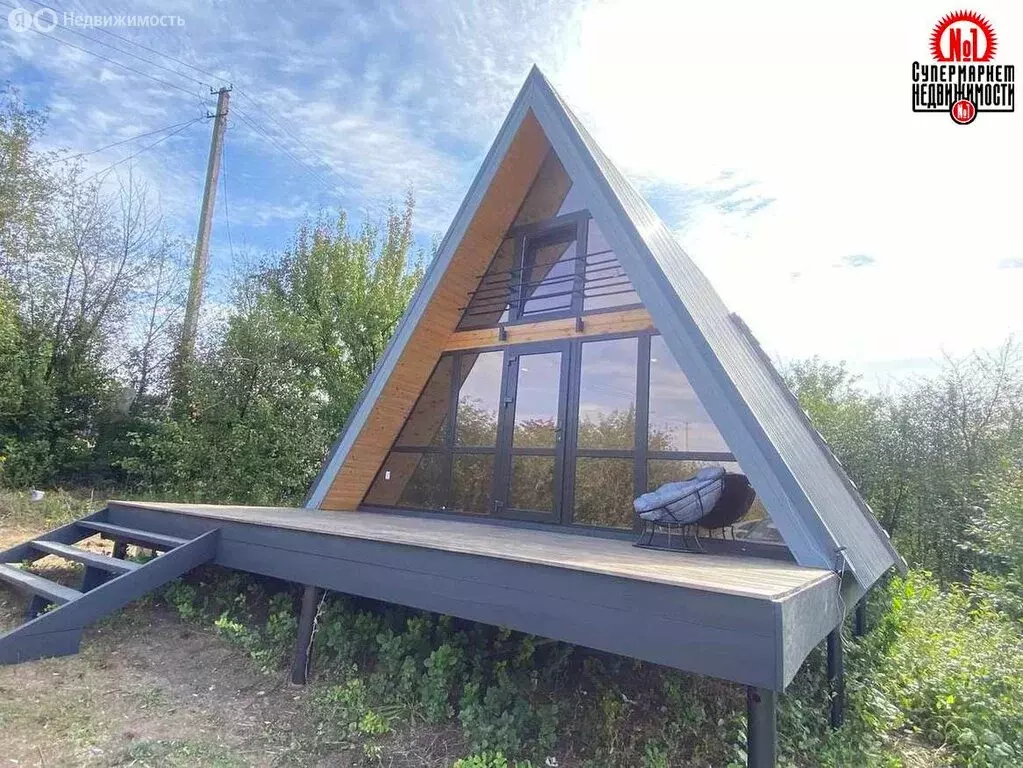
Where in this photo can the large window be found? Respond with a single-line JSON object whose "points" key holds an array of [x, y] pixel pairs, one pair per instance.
{"points": [[678, 422], [443, 463], [605, 433], [568, 431]]}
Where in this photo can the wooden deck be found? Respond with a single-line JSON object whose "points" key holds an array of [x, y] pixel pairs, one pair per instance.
{"points": [[754, 577], [745, 619]]}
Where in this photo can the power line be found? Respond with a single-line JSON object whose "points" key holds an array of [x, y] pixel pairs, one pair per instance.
{"points": [[251, 121], [144, 149], [120, 50], [266, 110], [269, 113], [51, 36], [115, 144], [256, 127], [128, 40]]}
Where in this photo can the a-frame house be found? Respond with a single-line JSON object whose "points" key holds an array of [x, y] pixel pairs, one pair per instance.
{"points": [[553, 244], [562, 356]]}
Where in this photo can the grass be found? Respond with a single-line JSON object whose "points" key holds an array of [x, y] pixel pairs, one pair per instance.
{"points": [[56, 508], [33, 721], [179, 754]]}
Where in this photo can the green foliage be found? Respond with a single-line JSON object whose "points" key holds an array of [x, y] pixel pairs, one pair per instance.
{"points": [[91, 293], [490, 760], [248, 612], [268, 644], [929, 457], [443, 675], [55, 509], [953, 665], [268, 398], [341, 709]]}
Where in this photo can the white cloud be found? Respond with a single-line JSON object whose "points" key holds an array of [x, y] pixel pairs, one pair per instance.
{"points": [[813, 103], [777, 140]]}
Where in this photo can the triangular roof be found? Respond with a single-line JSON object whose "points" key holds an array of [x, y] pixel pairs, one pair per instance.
{"points": [[816, 508]]}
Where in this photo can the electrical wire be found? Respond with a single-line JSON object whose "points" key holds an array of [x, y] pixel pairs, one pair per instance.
{"points": [[51, 36], [116, 144], [251, 121], [176, 60], [144, 149], [120, 50], [269, 114], [263, 108], [310, 171]]}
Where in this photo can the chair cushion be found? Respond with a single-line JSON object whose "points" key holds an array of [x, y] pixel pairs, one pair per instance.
{"points": [[685, 501]]}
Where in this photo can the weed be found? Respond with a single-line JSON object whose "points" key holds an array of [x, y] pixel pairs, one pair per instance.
{"points": [[179, 754], [489, 760]]}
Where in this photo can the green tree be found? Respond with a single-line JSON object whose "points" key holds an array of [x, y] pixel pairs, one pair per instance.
{"points": [[269, 395]]}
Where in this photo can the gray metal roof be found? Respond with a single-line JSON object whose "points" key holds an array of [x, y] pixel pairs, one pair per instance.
{"points": [[823, 519]]}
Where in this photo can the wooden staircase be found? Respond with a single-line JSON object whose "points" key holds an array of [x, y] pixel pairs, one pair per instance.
{"points": [[56, 615]]}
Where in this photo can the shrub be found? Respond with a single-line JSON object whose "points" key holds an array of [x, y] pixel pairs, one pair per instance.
{"points": [[489, 760], [954, 667]]}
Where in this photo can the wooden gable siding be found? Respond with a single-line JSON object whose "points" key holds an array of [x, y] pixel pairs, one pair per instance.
{"points": [[494, 216], [623, 321]]}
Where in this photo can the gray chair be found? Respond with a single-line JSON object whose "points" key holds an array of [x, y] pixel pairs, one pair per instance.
{"points": [[712, 499]]}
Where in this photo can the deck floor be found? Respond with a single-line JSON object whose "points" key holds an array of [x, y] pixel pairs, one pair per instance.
{"points": [[738, 575]]}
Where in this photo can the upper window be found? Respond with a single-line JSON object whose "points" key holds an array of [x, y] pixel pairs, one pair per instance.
{"points": [[559, 267], [548, 272]]}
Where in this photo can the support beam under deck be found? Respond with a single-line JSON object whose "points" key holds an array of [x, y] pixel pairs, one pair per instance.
{"points": [[304, 641], [836, 676], [761, 727], [860, 618]]}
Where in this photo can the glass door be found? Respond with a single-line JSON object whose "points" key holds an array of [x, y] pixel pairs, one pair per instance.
{"points": [[531, 455]]}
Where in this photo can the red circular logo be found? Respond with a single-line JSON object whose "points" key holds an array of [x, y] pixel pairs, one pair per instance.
{"points": [[964, 111], [963, 36]]}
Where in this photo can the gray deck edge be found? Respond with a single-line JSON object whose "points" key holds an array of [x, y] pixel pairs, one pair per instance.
{"points": [[805, 619], [730, 637]]}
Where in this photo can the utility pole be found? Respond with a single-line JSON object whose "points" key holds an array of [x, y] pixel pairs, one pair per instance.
{"points": [[197, 283]]}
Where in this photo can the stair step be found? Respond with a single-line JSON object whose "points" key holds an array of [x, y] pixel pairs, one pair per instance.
{"points": [[134, 536], [37, 585], [92, 559]]}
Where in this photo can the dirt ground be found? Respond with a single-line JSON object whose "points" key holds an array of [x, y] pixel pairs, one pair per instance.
{"points": [[148, 689], [145, 690]]}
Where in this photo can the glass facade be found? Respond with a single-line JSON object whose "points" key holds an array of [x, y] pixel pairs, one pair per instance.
{"points": [[604, 490], [428, 421], [567, 431], [528, 440], [607, 395]]}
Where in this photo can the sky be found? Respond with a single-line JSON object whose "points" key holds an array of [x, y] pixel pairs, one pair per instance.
{"points": [[776, 140]]}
